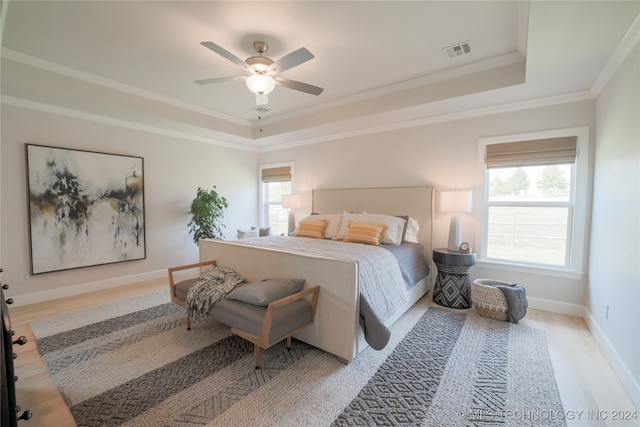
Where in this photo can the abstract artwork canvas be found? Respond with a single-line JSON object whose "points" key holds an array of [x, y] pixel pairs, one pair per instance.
{"points": [[85, 208]]}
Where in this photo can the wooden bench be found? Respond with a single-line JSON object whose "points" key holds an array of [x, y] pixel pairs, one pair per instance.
{"points": [[263, 326]]}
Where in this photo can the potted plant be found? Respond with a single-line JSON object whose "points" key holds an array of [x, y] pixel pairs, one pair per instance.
{"points": [[207, 209]]}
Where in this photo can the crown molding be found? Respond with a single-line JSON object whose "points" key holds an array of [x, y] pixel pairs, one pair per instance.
{"points": [[121, 87], [439, 118], [68, 112], [622, 52], [438, 77], [360, 130]]}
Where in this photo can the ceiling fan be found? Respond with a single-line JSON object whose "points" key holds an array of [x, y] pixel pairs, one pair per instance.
{"points": [[262, 72]]}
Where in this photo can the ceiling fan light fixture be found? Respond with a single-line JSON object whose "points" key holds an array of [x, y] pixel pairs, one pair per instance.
{"points": [[262, 71], [260, 84], [262, 99], [258, 64]]}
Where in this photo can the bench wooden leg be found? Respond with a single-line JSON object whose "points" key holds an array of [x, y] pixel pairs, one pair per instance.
{"points": [[289, 342], [188, 324], [256, 355]]}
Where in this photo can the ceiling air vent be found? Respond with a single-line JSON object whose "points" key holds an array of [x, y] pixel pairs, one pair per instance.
{"points": [[457, 49], [261, 110]]}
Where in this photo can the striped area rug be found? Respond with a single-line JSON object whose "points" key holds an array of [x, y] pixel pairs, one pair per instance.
{"points": [[133, 363]]}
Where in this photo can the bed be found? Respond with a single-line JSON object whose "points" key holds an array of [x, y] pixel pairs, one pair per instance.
{"points": [[337, 328]]}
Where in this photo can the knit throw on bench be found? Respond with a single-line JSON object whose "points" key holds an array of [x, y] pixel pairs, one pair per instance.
{"points": [[212, 286]]}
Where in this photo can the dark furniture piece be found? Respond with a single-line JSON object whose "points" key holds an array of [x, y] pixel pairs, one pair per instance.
{"points": [[453, 287], [10, 409]]}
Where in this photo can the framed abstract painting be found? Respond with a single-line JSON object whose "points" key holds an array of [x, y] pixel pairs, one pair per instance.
{"points": [[85, 208]]}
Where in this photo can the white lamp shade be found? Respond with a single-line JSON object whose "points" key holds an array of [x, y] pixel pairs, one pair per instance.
{"points": [[455, 201], [291, 201], [260, 84]]}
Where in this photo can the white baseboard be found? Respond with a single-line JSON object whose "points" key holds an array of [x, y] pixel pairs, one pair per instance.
{"points": [[42, 296], [629, 382], [557, 307]]}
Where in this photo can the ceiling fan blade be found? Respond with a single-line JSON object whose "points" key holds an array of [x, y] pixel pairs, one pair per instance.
{"points": [[220, 80], [223, 52], [291, 60], [299, 86]]}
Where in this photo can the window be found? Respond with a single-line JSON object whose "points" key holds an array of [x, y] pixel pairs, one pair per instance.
{"points": [[275, 181], [535, 200], [529, 213]]}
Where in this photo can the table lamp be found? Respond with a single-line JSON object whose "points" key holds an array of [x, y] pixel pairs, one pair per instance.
{"points": [[456, 202], [291, 202]]}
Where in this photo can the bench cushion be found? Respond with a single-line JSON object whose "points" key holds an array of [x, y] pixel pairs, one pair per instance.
{"points": [[266, 291], [250, 317], [182, 288]]}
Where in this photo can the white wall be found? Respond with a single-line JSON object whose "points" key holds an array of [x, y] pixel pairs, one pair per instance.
{"points": [[614, 267], [444, 155], [173, 170]]}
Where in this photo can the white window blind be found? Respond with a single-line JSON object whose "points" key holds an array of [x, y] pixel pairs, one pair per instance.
{"points": [[551, 151], [276, 174]]}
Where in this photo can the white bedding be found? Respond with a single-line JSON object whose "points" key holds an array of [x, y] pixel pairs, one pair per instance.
{"points": [[381, 282]]}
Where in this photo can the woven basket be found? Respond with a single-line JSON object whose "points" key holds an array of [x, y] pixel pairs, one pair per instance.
{"points": [[488, 300]]}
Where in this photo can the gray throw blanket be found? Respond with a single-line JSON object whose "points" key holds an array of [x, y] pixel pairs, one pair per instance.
{"points": [[212, 286], [516, 301], [375, 332]]}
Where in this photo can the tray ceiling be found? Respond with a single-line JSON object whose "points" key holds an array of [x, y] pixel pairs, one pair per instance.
{"points": [[380, 63]]}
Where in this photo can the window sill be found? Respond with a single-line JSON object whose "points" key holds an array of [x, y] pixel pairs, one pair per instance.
{"points": [[521, 268]]}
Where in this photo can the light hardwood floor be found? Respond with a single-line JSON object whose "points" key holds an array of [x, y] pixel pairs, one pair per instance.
{"points": [[589, 389]]}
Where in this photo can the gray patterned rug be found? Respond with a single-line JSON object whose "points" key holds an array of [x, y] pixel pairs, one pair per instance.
{"points": [[133, 363]]}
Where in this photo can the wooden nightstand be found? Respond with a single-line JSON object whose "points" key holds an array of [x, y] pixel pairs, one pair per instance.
{"points": [[453, 287]]}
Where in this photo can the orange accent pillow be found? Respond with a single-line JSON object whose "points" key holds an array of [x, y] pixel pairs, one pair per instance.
{"points": [[312, 228], [362, 232]]}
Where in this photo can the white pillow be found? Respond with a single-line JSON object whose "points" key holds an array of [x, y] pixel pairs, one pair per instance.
{"points": [[393, 233], [243, 234], [412, 231], [332, 227]]}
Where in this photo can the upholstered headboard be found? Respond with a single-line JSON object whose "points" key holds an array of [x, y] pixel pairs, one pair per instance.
{"points": [[417, 202]]}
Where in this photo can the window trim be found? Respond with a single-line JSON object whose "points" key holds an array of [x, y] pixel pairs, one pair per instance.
{"points": [[262, 212], [578, 224]]}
